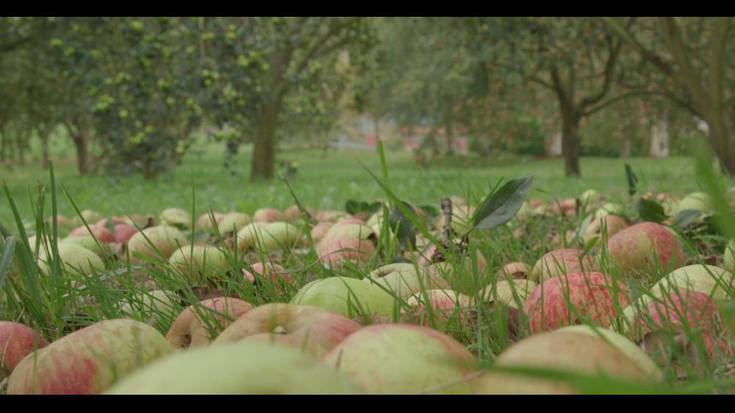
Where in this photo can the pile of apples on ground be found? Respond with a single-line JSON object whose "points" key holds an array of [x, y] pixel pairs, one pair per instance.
{"points": [[564, 312]]}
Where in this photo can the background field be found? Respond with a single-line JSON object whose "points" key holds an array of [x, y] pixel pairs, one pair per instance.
{"points": [[326, 179]]}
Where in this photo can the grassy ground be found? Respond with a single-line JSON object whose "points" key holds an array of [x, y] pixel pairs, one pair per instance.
{"points": [[66, 301], [328, 179]]}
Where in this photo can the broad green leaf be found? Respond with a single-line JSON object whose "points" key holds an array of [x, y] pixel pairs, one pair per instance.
{"points": [[502, 205]]}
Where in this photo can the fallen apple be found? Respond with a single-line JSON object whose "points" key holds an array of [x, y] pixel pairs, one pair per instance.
{"points": [[199, 324], [236, 368], [577, 297], [514, 270], [176, 217], [402, 358], [311, 329], [562, 261], [644, 248], [155, 242], [268, 215], [90, 360], [204, 222], [404, 280], [16, 342], [74, 259], [233, 222], [199, 264], [346, 296]]}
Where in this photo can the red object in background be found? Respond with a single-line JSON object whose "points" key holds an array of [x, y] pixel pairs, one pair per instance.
{"points": [[463, 145], [372, 140]]}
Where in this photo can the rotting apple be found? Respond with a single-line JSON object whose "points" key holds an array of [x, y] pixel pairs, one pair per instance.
{"points": [[311, 329], [511, 292], [514, 270]]}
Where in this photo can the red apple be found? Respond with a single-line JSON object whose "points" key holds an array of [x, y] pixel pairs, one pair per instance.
{"points": [[269, 215], [198, 325], [562, 261], [100, 232], [90, 360], [312, 329], [123, 233], [271, 273], [642, 248], [16, 341], [565, 300]]}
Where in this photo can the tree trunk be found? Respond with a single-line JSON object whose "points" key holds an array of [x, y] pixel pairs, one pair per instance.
{"points": [[721, 140], [80, 143], [263, 163], [570, 142], [20, 140], [660, 135], [449, 136], [44, 136]]}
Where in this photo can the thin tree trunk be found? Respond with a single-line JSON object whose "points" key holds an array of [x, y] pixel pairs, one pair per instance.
{"points": [[660, 135], [570, 142], [20, 140], [44, 136], [80, 143], [721, 139], [449, 136], [263, 163]]}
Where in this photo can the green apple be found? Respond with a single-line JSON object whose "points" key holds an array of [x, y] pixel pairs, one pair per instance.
{"points": [[346, 296], [233, 222], [697, 201], [90, 360], [404, 280], [199, 264], [199, 324], [403, 359], [74, 259], [236, 368], [728, 259], [176, 217], [268, 237], [156, 242]]}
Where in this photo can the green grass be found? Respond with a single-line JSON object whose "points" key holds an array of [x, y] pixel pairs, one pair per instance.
{"points": [[328, 179], [63, 301]]}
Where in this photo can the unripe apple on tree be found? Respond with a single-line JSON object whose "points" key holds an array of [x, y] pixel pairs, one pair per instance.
{"points": [[308, 328], [567, 351], [563, 261], [155, 242], [199, 264], [176, 217], [576, 297], [402, 359], [90, 360], [643, 248], [16, 342], [199, 324], [269, 215], [236, 368], [233, 222], [346, 296]]}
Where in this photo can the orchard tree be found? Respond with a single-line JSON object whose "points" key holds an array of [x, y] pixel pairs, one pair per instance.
{"points": [[261, 73], [576, 59], [696, 56]]}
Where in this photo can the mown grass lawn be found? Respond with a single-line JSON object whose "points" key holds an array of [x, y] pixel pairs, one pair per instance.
{"points": [[326, 179]]}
